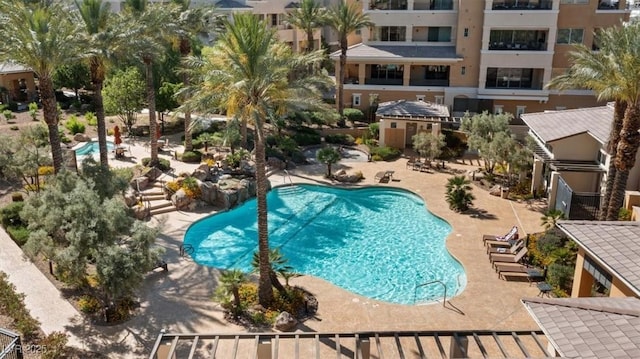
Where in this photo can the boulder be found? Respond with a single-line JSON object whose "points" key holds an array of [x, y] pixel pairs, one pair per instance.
{"points": [[130, 198], [340, 173], [276, 163], [81, 137], [152, 173], [285, 322], [243, 194], [222, 200], [247, 167], [180, 199], [209, 192], [139, 212], [139, 183], [219, 156], [201, 174], [496, 190]]}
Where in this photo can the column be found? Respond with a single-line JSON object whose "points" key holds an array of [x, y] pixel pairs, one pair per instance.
{"points": [[362, 73], [410, 5], [435, 128], [536, 176], [582, 280], [553, 189], [406, 75]]}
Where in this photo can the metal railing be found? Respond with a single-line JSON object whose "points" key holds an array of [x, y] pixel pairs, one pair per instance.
{"points": [[285, 176], [444, 300], [361, 345], [10, 345]]}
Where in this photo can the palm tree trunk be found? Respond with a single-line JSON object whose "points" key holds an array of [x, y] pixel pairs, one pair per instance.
{"points": [[188, 138], [276, 283], [612, 145], [50, 112], [265, 289], [310, 42], [243, 134], [151, 103], [625, 159], [328, 170], [102, 127], [236, 301], [342, 72]]}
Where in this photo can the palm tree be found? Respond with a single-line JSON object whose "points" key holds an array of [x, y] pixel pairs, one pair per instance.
{"points": [[459, 194], [308, 17], [598, 71], [230, 282], [247, 73], [278, 265], [151, 25], [328, 156], [43, 38], [345, 18], [550, 218], [96, 17]]}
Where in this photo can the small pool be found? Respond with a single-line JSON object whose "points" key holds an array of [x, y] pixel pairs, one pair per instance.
{"points": [[91, 148], [381, 243]]}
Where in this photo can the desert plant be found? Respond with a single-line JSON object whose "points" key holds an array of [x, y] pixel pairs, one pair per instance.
{"points": [[340, 138], [55, 344], [33, 111], [230, 282], [459, 194], [551, 217], [384, 153], [624, 214], [328, 156], [91, 118], [74, 126], [163, 165], [191, 157], [354, 114], [8, 115]]}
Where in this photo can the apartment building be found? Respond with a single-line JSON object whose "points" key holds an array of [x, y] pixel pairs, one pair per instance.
{"points": [[474, 55], [273, 11]]}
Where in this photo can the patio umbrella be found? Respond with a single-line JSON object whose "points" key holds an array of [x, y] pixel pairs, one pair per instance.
{"points": [[117, 136]]}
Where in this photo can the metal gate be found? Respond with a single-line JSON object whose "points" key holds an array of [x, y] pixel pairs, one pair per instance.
{"points": [[10, 346], [576, 205]]}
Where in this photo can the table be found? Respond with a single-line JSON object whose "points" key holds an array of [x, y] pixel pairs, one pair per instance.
{"points": [[534, 274], [545, 289]]}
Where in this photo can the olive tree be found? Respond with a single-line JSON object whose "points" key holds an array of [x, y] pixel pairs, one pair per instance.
{"points": [[429, 145], [124, 95], [489, 134]]}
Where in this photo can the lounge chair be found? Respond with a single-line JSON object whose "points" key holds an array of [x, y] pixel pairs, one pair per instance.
{"points": [[511, 235], [411, 162], [508, 257], [383, 176], [510, 247]]}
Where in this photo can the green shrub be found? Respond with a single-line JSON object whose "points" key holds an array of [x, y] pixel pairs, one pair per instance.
{"points": [[340, 138], [55, 345], [386, 153], [549, 242], [14, 128], [307, 138], [12, 305], [298, 157], [64, 138], [192, 157], [163, 164], [376, 158], [274, 152], [74, 126], [10, 215], [560, 276], [91, 118], [20, 235], [374, 130], [123, 173], [233, 160], [624, 214], [353, 114], [89, 304]]}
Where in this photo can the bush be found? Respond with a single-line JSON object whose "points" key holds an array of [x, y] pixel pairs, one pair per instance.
{"points": [[89, 304], [549, 242], [123, 173], [46, 170], [307, 138], [12, 305], [14, 128], [274, 152], [91, 118], [298, 157], [624, 214], [233, 160], [340, 138], [384, 153], [74, 126], [191, 188], [10, 215], [353, 114], [560, 276], [55, 345], [376, 158], [191, 157], [163, 164], [20, 235]]}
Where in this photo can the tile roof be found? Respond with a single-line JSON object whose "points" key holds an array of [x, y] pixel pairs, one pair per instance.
{"points": [[555, 125], [589, 327], [11, 67], [398, 52], [614, 244], [231, 4], [404, 108]]}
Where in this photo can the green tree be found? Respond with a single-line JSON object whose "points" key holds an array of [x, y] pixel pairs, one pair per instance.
{"points": [[230, 283], [612, 74], [99, 36], [429, 145], [248, 73], [33, 111], [231, 136], [278, 263], [41, 37], [73, 76], [345, 18], [152, 25], [328, 156], [550, 218], [308, 17], [490, 135], [124, 95], [20, 160], [459, 194]]}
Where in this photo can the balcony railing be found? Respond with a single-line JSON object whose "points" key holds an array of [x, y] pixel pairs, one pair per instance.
{"points": [[393, 82], [433, 5], [425, 82], [522, 5], [530, 46], [608, 6], [515, 85]]}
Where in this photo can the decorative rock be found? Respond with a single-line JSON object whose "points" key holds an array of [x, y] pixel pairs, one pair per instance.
{"points": [[152, 173], [243, 194], [340, 173], [219, 156], [495, 191], [285, 322], [276, 163], [130, 198], [200, 174], [225, 177], [209, 192], [81, 137], [140, 212], [139, 183], [180, 199]]}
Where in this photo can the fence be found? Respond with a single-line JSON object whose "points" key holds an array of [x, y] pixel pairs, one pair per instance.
{"points": [[10, 345], [577, 205]]}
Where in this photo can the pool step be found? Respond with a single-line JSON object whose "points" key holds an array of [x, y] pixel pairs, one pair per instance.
{"points": [[293, 189]]}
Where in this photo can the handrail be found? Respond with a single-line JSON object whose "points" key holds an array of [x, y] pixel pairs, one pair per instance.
{"points": [[285, 175], [444, 301]]}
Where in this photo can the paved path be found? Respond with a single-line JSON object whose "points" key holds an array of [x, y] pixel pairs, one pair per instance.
{"points": [[42, 298]]}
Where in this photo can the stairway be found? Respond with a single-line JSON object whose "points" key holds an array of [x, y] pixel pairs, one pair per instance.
{"points": [[154, 200]]}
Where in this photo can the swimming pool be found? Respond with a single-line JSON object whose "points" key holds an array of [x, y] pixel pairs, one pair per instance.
{"points": [[377, 242], [91, 148]]}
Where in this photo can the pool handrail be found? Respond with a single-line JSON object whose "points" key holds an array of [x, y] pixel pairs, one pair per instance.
{"points": [[444, 301]]}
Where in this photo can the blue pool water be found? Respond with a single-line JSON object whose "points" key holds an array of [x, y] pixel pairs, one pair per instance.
{"points": [[91, 148], [377, 242]]}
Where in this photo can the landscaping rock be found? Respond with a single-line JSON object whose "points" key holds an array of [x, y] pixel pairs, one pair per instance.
{"points": [[209, 192], [180, 199], [200, 173], [348, 178], [219, 156], [152, 173], [243, 193], [247, 167], [140, 212], [285, 322], [496, 190], [130, 198], [81, 137], [139, 183], [276, 163]]}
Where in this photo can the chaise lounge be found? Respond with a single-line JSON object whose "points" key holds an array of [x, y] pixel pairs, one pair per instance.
{"points": [[508, 257], [490, 239], [383, 176]]}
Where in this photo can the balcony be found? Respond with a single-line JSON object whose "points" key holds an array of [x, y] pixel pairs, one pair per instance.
{"points": [[388, 5], [516, 46], [609, 5], [433, 5], [388, 81], [426, 82], [514, 78], [522, 5]]}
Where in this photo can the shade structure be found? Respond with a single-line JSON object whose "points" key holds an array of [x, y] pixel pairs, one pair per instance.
{"points": [[117, 136]]}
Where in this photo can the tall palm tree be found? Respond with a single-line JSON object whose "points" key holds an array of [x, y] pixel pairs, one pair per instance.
{"points": [[41, 37], [612, 74], [151, 25], [345, 18], [95, 16], [248, 73], [308, 17]]}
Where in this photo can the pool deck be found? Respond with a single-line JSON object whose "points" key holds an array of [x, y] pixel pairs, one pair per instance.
{"points": [[180, 300]]}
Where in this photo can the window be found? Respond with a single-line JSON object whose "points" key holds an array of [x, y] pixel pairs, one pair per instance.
{"points": [[358, 32], [517, 40], [520, 111], [356, 99], [600, 275], [394, 125], [274, 19], [602, 157], [498, 109], [574, 2], [439, 100], [463, 70], [391, 33], [569, 36], [420, 98], [439, 34], [466, 32], [387, 72], [509, 78]]}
